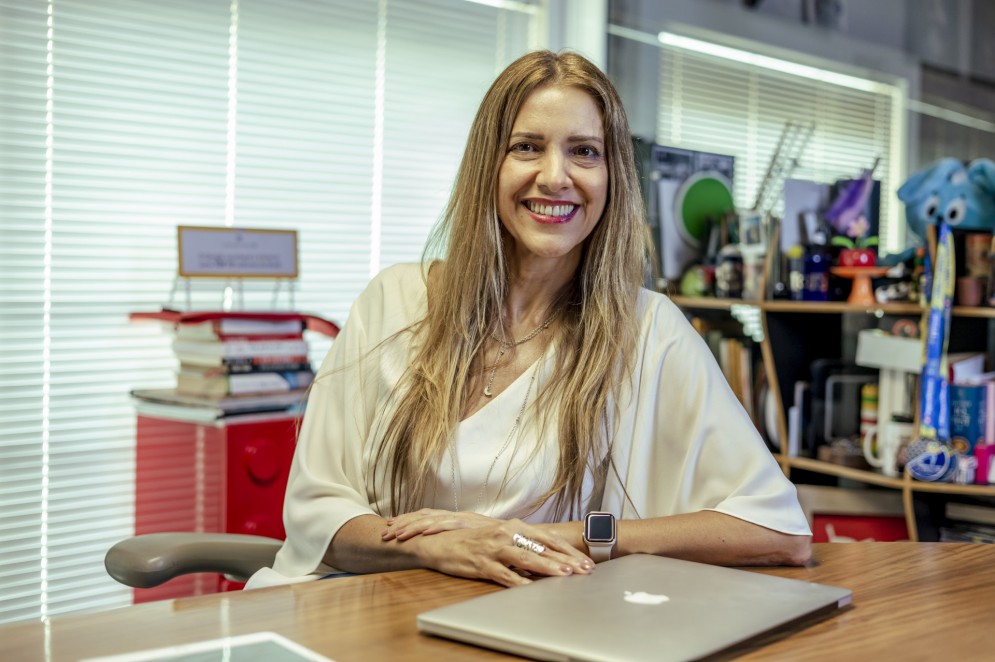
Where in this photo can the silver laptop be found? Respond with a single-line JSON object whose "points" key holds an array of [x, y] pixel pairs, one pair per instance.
{"points": [[637, 607]]}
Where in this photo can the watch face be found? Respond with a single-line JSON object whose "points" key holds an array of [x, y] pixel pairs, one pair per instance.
{"points": [[600, 528]]}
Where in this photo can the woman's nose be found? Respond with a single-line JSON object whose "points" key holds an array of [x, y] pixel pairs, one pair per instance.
{"points": [[554, 172]]}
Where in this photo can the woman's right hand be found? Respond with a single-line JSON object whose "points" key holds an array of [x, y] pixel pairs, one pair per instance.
{"points": [[489, 552], [428, 521]]}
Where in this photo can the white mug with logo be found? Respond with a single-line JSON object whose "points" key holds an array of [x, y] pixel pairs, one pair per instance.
{"points": [[889, 442]]}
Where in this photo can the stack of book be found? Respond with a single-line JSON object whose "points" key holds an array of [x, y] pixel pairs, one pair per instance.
{"points": [[234, 363], [233, 356]]}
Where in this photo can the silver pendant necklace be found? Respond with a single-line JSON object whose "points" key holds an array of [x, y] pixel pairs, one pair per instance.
{"points": [[503, 347], [504, 446]]}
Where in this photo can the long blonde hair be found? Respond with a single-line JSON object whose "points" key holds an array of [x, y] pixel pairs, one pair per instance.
{"points": [[596, 328]]}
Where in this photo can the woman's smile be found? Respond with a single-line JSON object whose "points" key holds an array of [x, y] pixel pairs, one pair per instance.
{"points": [[551, 212]]}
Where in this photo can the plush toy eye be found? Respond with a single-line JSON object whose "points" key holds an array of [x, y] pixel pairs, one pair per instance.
{"points": [[955, 211], [931, 206]]}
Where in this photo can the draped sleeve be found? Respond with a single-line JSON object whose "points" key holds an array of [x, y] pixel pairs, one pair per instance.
{"points": [[684, 443], [329, 478]]}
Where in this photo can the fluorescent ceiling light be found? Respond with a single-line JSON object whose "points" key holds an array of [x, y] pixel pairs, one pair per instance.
{"points": [[511, 5], [773, 63]]}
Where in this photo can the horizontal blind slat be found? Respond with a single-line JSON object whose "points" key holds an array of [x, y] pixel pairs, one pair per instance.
{"points": [[150, 128]]}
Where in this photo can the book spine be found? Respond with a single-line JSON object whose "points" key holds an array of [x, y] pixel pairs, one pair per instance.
{"points": [[990, 412], [264, 347], [241, 348], [248, 327], [268, 382], [250, 364], [968, 408], [258, 337]]}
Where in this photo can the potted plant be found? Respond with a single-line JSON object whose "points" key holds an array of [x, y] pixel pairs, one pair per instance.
{"points": [[857, 250]]}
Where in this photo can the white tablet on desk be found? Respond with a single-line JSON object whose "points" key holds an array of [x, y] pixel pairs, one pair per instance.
{"points": [[255, 647], [637, 607]]}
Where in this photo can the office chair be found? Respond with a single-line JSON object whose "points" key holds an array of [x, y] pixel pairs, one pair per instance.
{"points": [[152, 559]]}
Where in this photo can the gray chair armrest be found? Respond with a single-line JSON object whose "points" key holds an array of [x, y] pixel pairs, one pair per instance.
{"points": [[154, 558]]}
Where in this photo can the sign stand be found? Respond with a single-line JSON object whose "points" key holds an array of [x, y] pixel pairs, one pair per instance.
{"points": [[232, 292], [228, 257]]}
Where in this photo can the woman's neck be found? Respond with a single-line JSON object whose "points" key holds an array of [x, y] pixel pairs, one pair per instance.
{"points": [[533, 288]]}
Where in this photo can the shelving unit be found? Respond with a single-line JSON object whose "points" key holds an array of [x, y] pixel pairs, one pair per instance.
{"points": [[785, 357]]}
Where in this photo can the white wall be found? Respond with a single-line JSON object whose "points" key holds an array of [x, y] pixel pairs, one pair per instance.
{"points": [[772, 28], [954, 35]]}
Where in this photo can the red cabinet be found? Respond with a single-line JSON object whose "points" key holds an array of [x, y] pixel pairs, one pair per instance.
{"points": [[228, 476]]}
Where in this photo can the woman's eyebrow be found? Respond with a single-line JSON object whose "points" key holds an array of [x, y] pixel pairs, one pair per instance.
{"points": [[586, 139], [527, 135]]}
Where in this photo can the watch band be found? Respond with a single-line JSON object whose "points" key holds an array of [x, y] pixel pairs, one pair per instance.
{"points": [[600, 551], [599, 548]]}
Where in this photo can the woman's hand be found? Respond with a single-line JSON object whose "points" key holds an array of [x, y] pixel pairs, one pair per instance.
{"points": [[488, 551], [428, 521]]}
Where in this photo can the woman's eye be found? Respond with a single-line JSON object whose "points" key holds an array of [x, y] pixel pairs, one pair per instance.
{"points": [[587, 152], [524, 148]]}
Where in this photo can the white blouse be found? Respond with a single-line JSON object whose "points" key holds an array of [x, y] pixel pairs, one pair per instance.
{"points": [[683, 442]]}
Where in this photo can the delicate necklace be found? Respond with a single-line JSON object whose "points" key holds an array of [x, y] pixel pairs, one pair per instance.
{"points": [[505, 346], [504, 446]]}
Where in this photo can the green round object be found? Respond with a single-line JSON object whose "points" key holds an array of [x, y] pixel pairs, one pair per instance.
{"points": [[704, 197]]}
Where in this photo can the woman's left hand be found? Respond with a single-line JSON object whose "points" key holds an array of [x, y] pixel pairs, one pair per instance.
{"points": [[427, 521]]}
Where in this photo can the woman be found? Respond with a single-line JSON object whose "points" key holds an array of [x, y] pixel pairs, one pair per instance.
{"points": [[472, 410]]}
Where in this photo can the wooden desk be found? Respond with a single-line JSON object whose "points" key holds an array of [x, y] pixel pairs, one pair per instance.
{"points": [[921, 601]]}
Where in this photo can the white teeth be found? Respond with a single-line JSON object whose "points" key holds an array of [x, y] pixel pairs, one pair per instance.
{"points": [[549, 210]]}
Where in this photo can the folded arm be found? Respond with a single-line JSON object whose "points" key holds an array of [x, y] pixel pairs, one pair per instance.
{"points": [[706, 536], [486, 551]]}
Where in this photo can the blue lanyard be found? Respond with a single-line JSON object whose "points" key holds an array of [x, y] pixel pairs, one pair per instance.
{"points": [[930, 457], [934, 421]]}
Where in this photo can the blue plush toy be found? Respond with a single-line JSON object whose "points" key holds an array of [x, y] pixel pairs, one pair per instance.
{"points": [[948, 192]]}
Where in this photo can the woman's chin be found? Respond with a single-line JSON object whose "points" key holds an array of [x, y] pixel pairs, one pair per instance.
{"points": [[550, 254]]}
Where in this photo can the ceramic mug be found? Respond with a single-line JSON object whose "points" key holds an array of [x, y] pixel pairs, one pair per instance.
{"points": [[889, 442], [970, 291]]}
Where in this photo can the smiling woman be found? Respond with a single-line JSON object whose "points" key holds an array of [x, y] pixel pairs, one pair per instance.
{"points": [[474, 408]]}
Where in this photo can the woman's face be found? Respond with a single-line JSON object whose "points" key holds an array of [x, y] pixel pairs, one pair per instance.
{"points": [[553, 182]]}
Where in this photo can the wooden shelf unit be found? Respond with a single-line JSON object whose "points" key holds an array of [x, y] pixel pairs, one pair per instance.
{"points": [[711, 303], [827, 307], [779, 311]]}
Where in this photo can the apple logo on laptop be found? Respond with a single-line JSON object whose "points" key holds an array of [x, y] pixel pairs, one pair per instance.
{"points": [[644, 598]]}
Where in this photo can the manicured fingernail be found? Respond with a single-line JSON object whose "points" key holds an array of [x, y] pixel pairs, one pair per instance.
{"points": [[566, 570], [384, 534]]}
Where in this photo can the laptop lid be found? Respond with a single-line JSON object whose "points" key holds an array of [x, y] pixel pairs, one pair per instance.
{"points": [[638, 607]]}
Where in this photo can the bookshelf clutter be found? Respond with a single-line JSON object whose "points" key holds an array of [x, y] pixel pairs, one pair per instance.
{"points": [[233, 363]]}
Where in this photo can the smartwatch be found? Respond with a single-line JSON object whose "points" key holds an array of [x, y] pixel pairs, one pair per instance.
{"points": [[599, 534]]}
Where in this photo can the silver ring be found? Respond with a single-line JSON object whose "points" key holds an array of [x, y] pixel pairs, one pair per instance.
{"points": [[527, 543]]}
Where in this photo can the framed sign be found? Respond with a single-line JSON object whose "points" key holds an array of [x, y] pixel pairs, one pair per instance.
{"points": [[236, 252]]}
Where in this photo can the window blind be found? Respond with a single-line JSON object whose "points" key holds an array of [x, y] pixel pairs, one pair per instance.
{"points": [[120, 120], [722, 105], [24, 445], [430, 98]]}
